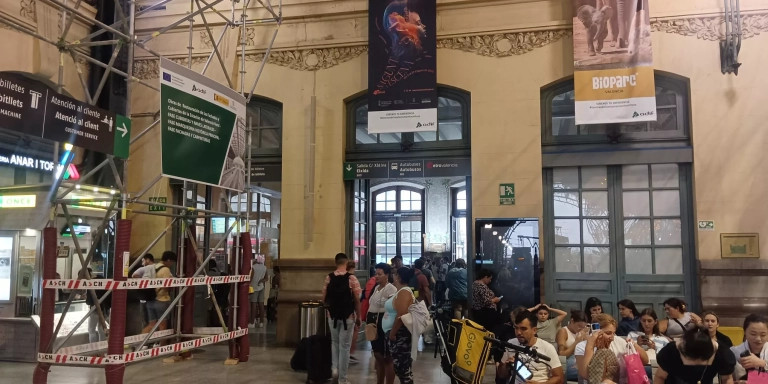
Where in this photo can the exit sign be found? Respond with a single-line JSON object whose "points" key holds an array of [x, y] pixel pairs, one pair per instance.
{"points": [[507, 194]]}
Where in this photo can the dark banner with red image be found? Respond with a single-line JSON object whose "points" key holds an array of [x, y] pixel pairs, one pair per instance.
{"points": [[402, 76]]}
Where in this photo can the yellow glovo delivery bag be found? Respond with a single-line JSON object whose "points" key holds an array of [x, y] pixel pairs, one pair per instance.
{"points": [[470, 351]]}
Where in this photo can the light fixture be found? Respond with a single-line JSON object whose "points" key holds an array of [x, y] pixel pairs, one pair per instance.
{"points": [[489, 225], [68, 146], [499, 237], [730, 47], [77, 186], [79, 220], [495, 233], [96, 189], [112, 192]]}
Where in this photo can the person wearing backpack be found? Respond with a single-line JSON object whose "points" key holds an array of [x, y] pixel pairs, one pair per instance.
{"points": [[341, 295], [157, 306]]}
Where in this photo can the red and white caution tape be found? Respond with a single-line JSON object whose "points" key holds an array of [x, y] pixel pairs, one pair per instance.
{"points": [[109, 284], [140, 355], [90, 347]]}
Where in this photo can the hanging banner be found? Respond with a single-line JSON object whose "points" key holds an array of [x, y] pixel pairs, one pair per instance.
{"points": [[613, 62], [203, 128], [402, 76]]}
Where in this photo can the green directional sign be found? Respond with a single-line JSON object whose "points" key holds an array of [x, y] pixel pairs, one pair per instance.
{"points": [[122, 136], [158, 199], [507, 194]]}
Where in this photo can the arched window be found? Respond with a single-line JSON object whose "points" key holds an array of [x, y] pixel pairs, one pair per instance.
{"points": [[265, 119], [559, 125], [452, 128], [398, 216]]}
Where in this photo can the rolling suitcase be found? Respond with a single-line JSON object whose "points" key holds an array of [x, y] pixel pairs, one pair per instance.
{"points": [[318, 359]]}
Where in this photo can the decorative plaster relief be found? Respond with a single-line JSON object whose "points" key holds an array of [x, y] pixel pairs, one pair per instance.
{"points": [[28, 9], [711, 28], [504, 44], [311, 59], [205, 40], [492, 45]]}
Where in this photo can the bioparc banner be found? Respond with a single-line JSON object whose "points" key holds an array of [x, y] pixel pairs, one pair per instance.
{"points": [[402, 76], [613, 62], [203, 128]]}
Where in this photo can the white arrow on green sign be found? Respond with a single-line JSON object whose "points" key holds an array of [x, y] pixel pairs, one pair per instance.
{"points": [[122, 136]]}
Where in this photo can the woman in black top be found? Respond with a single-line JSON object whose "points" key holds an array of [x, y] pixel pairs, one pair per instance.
{"points": [[694, 360], [712, 322]]}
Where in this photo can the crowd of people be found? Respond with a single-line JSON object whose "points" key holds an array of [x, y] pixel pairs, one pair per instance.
{"points": [[590, 347]]}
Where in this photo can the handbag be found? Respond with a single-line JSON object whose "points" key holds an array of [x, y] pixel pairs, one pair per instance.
{"points": [[757, 376], [635, 368], [372, 331]]}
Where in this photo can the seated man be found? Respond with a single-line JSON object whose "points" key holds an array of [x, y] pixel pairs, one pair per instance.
{"points": [[550, 372]]}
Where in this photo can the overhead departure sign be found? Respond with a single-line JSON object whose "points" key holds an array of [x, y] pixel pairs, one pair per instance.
{"points": [[403, 169], [32, 108]]}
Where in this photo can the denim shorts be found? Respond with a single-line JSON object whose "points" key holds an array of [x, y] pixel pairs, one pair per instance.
{"points": [[155, 309]]}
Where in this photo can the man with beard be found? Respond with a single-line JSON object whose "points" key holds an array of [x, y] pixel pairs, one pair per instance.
{"points": [[550, 372]]}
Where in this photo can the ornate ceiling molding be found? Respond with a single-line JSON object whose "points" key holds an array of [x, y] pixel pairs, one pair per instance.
{"points": [[28, 9], [711, 28], [504, 44], [708, 28], [311, 59]]}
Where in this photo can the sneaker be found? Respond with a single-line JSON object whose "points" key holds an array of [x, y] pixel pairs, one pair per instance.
{"points": [[334, 373]]}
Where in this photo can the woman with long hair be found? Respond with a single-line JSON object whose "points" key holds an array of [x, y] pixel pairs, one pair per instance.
{"points": [[567, 337], [377, 298], [694, 358], [678, 320], [753, 352], [604, 364], [399, 338], [649, 337], [630, 317], [592, 308]]}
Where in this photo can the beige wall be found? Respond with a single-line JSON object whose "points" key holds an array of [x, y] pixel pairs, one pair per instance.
{"points": [[505, 90]]}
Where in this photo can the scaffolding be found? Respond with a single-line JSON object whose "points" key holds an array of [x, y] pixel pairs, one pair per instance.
{"points": [[123, 37]]}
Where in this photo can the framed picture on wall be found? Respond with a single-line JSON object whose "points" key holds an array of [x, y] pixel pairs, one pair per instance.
{"points": [[739, 245]]}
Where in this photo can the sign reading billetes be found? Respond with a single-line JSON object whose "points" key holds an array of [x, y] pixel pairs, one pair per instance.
{"points": [[613, 62]]}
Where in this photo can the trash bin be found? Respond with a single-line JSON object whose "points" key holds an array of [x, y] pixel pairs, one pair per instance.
{"points": [[311, 319]]}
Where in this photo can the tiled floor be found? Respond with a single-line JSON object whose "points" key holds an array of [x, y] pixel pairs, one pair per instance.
{"points": [[266, 365]]}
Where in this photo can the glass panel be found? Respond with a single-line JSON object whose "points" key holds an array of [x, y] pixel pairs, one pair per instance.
{"points": [[637, 232], [381, 227], [564, 126], [449, 130], [405, 226], [419, 137], [665, 176], [567, 231], [594, 177], [405, 205], [270, 138], [389, 138], [461, 205], [363, 137], [405, 237], [666, 120], [597, 260], [416, 237], [669, 261], [416, 226], [567, 259], [636, 204], [405, 195], [566, 204], [634, 176], [416, 205], [565, 178], [391, 237], [595, 231], [391, 226], [667, 232], [381, 238], [391, 206], [638, 261], [380, 206], [666, 203], [594, 203]]}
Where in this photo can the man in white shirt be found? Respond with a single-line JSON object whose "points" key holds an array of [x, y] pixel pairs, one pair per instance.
{"points": [[258, 278], [148, 269], [549, 372]]}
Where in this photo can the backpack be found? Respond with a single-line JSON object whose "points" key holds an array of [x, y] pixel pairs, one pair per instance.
{"points": [[339, 299], [150, 294]]}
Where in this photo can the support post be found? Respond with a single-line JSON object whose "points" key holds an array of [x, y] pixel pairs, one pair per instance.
{"points": [[48, 302], [243, 343], [188, 300], [114, 373]]}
